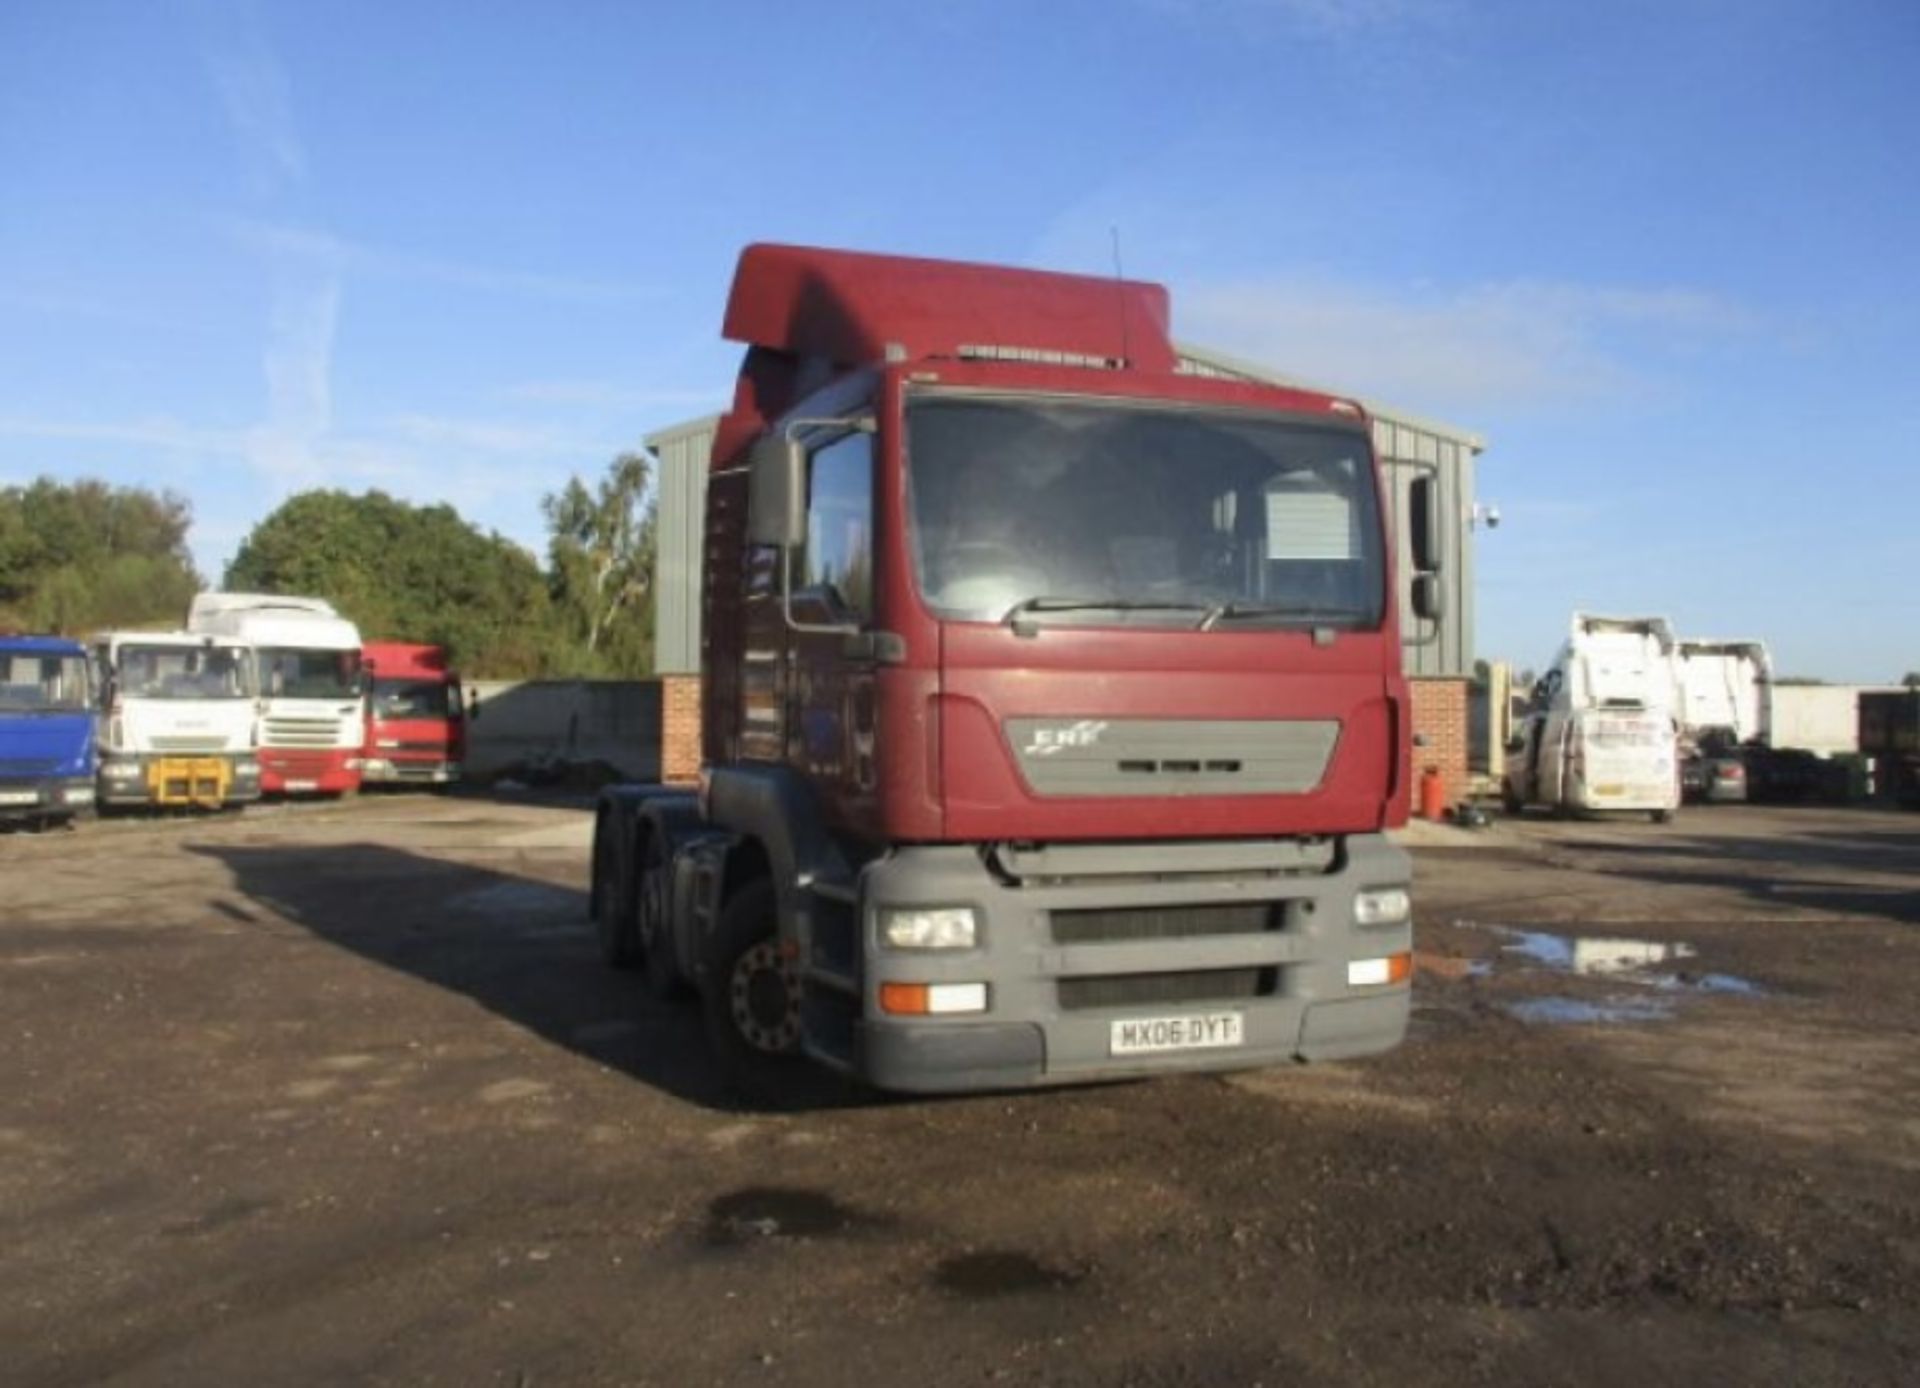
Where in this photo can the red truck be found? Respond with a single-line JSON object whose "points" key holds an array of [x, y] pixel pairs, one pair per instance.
{"points": [[416, 727], [1053, 712]]}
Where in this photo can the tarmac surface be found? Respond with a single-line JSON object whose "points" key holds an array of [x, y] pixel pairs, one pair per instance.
{"points": [[342, 1094]]}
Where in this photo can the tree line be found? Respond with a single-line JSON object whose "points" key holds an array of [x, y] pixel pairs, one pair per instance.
{"points": [[77, 557]]}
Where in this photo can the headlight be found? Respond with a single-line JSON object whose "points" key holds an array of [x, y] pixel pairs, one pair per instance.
{"points": [[938, 927], [77, 795], [1382, 906], [121, 771], [246, 768]]}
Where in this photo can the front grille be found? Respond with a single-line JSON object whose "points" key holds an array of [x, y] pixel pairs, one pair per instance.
{"points": [[300, 732], [300, 765], [18, 766], [1138, 990], [1163, 922], [405, 746], [189, 744], [1147, 757]]}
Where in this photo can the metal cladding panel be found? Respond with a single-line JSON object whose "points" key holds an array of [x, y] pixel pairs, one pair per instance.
{"points": [[683, 453]]}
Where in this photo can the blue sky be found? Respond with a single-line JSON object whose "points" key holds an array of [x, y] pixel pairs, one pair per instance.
{"points": [[1665, 256]]}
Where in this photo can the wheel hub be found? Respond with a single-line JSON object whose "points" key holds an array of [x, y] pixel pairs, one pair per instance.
{"points": [[765, 994]]}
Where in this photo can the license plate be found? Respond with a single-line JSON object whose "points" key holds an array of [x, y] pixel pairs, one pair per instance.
{"points": [[19, 797], [1610, 790], [303, 785], [1203, 1031]]}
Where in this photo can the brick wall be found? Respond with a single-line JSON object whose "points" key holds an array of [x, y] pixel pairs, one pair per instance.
{"points": [[1440, 721], [679, 729]]}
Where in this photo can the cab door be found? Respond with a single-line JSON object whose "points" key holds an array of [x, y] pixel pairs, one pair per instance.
{"points": [[830, 731]]}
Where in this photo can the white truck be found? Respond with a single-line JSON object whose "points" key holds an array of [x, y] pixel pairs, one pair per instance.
{"points": [[1726, 707], [307, 659], [1601, 733], [180, 722], [1726, 685]]}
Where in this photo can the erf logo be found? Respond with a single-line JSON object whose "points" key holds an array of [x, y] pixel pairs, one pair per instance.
{"points": [[1046, 741]]}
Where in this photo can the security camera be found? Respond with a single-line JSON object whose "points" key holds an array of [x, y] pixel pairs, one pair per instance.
{"points": [[1493, 517]]}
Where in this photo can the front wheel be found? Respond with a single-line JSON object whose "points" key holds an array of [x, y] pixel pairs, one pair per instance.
{"points": [[750, 995], [1662, 816]]}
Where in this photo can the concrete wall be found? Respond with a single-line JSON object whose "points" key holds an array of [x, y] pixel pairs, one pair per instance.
{"points": [[614, 721]]}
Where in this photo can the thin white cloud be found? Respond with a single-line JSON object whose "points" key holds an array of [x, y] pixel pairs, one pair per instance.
{"points": [[286, 239], [614, 395], [1481, 347], [155, 432], [253, 88], [474, 435], [298, 365]]}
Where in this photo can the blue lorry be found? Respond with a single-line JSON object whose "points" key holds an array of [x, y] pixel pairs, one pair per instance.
{"points": [[47, 760]]}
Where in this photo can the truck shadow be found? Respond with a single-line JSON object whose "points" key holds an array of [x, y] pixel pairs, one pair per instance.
{"points": [[1870, 873], [520, 946]]}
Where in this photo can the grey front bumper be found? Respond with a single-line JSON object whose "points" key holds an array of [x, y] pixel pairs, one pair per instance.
{"points": [[1029, 1036]]}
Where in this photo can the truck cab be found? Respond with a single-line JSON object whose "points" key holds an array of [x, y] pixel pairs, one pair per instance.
{"points": [[416, 725], [1601, 731], [179, 727], [1725, 707], [307, 665], [1053, 710], [46, 730]]}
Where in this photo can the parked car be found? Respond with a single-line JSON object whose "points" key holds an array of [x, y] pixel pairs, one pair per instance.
{"points": [[1715, 768]]}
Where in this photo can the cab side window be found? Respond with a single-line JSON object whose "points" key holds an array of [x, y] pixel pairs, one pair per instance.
{"points": [[839, 549]]}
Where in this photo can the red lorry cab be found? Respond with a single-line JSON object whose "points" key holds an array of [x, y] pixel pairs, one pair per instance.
{"points": [[416, 725], [1053, 705]]}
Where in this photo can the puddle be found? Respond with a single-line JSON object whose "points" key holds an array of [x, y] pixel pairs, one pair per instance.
{"points": [[1000, 1272], [1629, 960], [1594, 954], [777, 1212], [1582, 1011], [1658, 966]]}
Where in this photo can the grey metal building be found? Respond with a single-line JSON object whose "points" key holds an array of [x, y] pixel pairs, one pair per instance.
{"points": [[1406, 444]]}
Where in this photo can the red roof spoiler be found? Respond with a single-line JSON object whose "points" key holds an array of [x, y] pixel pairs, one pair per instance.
{"points": [[813, 313]]}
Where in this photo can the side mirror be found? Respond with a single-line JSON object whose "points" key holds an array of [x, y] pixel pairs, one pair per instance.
{"points": [[1423, 524], [776, 492], [1429, 598]]}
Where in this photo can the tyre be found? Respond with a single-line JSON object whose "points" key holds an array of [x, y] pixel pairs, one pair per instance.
{"points": [[613, 916], [750, 995], [653, 917], [1661, 816]]}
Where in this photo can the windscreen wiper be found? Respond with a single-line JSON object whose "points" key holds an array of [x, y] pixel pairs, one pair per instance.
{"points": [[1304, 616], [1020, 609]]}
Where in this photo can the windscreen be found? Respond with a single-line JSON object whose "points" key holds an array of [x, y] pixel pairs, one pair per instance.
{"points": [[1107, 511], [183, 672], [31, 682], [402, 699], [288, 672]]}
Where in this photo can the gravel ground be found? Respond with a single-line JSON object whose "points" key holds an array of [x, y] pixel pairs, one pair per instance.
{"points": [[341, 1094]]}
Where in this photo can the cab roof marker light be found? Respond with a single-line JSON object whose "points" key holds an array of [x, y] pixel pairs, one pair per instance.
{"points": [[1038, 356]]}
